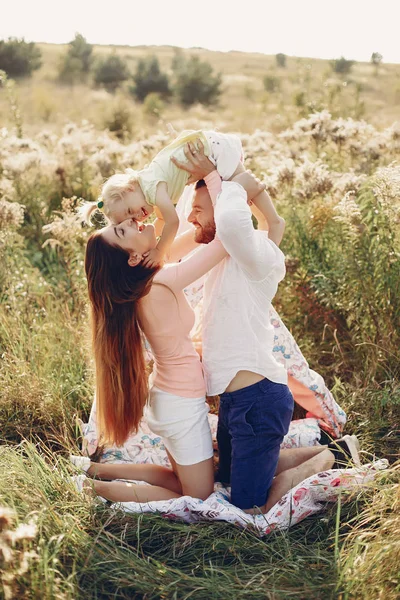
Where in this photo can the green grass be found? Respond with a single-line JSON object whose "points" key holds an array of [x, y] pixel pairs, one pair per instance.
{"points": [[85, 550]]}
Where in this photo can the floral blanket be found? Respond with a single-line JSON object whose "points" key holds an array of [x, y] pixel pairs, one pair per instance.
{"points": [[308, 498]]}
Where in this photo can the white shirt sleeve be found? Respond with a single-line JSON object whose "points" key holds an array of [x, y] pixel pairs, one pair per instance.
{"points": [[254, 252]]}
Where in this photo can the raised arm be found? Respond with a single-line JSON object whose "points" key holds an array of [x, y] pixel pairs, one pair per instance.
{"points": [[275, 224], [182, 246], [180, 275], [171, 224], [232, 214]]}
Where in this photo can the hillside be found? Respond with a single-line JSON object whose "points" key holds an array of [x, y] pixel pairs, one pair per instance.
{"points": [[304, 86]]}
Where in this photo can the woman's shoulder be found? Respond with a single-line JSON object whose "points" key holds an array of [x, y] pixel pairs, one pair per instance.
{"points": [[166, 275]]}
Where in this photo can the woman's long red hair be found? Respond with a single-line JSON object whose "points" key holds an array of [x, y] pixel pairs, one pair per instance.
{"points": [[121, 378]]}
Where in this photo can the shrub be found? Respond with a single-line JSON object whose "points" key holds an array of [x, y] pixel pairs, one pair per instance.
{"points": [[271, 83], [299, 99], [342, 65], [376, 58], [111, 72], [178, 61], [12, 98], [196, 82], [19, 58], [153, 105], [119, 119], [149, 79], [281, 60], [75, 64]]}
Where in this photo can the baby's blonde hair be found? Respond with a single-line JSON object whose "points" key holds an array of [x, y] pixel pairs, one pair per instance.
{"points": [[113, 189]]}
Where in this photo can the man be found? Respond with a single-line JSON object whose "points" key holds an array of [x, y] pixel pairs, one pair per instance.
{"points": [[256, 404]]}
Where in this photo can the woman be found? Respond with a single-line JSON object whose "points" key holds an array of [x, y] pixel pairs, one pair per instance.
{"points": [[128, 300]]}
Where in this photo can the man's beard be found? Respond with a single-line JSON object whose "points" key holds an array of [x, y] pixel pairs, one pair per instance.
{"points": [[204, 234]]}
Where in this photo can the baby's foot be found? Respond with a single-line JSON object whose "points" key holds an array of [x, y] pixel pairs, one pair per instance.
{"points": [[81, 462], [80, 482], [85, 486]]}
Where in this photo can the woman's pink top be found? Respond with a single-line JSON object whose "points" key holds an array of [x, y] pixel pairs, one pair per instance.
{"points": [[167, 319]]}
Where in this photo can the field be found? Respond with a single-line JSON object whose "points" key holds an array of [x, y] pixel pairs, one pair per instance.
{"points": [[328, 148]]}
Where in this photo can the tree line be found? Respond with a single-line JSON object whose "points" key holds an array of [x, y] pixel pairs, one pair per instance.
{"points": [[190, 80]]}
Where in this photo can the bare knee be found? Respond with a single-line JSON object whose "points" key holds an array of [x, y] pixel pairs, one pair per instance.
{"points": [[207, 493], [202, 493]]}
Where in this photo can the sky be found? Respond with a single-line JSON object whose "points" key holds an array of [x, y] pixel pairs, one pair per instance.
{"points": [[309, 28]]}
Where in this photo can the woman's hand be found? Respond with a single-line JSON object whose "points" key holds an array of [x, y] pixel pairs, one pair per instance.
{"points": [[251, 184], [198, 165]]}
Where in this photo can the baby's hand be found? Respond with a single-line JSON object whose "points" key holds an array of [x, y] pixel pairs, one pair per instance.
{"points": [[153, 258]]}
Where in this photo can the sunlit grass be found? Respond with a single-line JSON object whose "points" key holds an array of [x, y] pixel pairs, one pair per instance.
{"points": [[340, 298]]}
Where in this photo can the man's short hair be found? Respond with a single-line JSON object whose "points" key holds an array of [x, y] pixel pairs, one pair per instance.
{"points": [[199, 184]]}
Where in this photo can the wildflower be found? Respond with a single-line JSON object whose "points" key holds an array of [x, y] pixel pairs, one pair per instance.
{"points": [[14, 561], [348, 213], [66, 226], [11, 215], [347, 182], [312, 178]]}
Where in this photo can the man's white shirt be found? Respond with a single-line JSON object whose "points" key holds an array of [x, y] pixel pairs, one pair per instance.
{"points": [[237, 332]]}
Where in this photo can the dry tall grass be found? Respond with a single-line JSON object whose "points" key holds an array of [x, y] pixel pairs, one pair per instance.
{"points": [[335, 178]]}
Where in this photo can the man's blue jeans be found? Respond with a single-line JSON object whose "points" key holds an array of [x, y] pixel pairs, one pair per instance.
{"points": [[252, 423]]}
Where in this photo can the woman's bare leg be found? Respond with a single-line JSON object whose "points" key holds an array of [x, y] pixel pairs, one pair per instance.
{"points": [[153, 474], [119, 491], [196, 480]]}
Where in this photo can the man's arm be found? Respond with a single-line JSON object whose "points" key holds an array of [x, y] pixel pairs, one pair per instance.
{"points": [[235, 229], [275, 223], [264, 209]]}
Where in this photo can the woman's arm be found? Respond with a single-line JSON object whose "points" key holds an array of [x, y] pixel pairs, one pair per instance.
{"points": [[180, 275], [182, 246]]}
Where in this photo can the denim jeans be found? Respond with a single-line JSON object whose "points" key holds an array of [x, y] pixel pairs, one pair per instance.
{"points": [[251, 426]]}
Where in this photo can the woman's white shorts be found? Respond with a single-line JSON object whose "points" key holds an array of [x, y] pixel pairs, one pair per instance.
{"points": [[183, 425]]}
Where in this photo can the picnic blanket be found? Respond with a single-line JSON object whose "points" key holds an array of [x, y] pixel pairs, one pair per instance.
{"points": [[307, 498]]}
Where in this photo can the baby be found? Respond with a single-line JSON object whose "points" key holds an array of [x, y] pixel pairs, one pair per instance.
{"points": [[159, 186]]}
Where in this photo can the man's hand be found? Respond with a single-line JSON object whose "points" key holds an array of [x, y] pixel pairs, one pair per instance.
{"points": [[198, 165], [251, 184], [153, 258]]}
